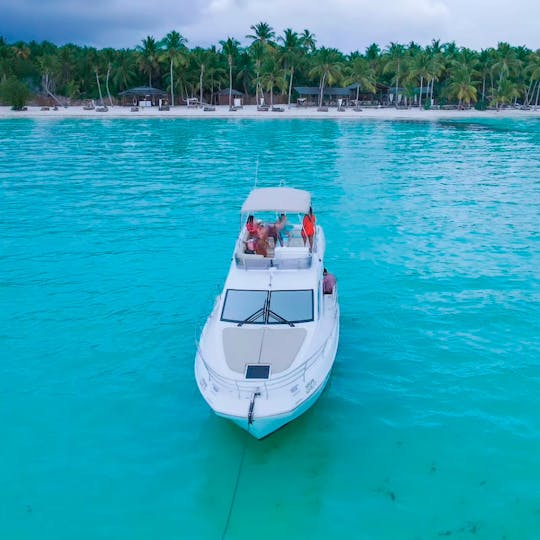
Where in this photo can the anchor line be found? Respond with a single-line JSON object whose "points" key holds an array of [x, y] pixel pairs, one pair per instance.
{"points": [[235, 489], [251, 407]]}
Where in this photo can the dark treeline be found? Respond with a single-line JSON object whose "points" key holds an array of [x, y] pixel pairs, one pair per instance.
{"points": [[273, 64]]}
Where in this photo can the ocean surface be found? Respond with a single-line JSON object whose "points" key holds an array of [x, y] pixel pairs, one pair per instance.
{"points": [[115, 237]]}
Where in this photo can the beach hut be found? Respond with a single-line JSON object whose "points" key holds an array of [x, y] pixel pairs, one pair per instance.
{"points": [[143, 96], [222, 97], [310, 95]]}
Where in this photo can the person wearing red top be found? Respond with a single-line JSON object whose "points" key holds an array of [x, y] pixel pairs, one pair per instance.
{"points": [[308, 228]]}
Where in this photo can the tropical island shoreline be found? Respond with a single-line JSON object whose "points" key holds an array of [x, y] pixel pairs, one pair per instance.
{"points": [[251, 112]]}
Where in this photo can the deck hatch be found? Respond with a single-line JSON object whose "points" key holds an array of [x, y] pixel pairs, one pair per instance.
{"points": [[257, 371]]}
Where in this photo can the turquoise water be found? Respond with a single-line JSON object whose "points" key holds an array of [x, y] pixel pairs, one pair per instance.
{"points": [[115, 237]]}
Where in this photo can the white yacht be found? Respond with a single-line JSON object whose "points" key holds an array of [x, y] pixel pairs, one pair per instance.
{"points": [[267, 349]]}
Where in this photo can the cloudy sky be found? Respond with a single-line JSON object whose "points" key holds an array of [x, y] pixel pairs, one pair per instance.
{"points": [[346, 24]]}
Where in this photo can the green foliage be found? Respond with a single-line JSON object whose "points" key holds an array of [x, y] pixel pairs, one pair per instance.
{"points": [[481, 105], [497, 76], [14, 93]]}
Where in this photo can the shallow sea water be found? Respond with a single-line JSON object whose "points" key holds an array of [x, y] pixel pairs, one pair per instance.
{"points": [[117, 234]]}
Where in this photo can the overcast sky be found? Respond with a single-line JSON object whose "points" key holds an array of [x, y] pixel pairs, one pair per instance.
{"points": [[346, 24]]}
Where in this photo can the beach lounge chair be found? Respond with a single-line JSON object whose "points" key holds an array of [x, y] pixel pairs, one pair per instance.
{"points": [[278, 109], [322, 109], [208, 108]]}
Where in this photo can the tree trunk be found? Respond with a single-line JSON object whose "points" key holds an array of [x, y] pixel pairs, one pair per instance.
{"points": [[172, 83], [322, 89], [397, 84], [107, 84], [421, 88], [230, 83], [537, 95], [290, 87], [200, 84], [99, 88], [530, 92]]}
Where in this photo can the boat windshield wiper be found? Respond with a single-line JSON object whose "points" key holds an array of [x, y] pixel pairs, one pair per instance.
{"points": [[279, 318], [253, 317]]}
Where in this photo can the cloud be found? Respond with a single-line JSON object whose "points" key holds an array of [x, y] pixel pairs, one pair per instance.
{"points": [[346, 24]]}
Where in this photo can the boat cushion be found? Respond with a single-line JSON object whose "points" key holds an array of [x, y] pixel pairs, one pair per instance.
{"points": [[277, 347]]}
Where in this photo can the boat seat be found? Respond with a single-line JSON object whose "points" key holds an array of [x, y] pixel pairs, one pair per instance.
{"points": [[291, 252]]}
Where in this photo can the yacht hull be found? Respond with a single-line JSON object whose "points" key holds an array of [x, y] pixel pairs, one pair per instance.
{"points": [[262, 426], [261, 423]]}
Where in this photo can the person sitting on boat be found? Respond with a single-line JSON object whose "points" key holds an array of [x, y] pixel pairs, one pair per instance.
{"points": [[252, 226], [250, 246], [262, 240], [308, 228], [329, 282], [256, 246]]}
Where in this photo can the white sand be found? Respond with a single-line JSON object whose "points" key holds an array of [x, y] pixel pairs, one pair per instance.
{"points": [[250, 111]]}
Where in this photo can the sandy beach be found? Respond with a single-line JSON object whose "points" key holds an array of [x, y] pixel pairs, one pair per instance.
{"points": [[250, 112]]}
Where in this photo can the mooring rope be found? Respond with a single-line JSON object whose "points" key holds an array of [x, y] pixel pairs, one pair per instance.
{"points": [[236, 483]]}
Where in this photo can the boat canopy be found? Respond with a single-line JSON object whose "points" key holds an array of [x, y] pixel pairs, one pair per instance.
{"points": [[280, 199]]}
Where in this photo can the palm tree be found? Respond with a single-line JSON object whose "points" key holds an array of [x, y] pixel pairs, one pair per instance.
{"points": [[229, 48], [395, 60], [328, 66], [462, 84], [96, 61], [48, 64], [420, 69], [262, 37], [308, 41], [244, 70], [123, 69], [149, 57], [484, 67], [505, 92], [533, 70], [5, 64], [272, 75], [108, 56], [361, 73], [507, 63], [175, 46], [67, 67], [214, 70], [200, 58], [290, 53]]}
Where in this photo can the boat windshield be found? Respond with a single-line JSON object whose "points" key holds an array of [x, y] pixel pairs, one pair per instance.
{"points": [[268, 307]]}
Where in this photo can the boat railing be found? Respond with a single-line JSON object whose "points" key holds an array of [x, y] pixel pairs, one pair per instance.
{"points": [[275, 384]]}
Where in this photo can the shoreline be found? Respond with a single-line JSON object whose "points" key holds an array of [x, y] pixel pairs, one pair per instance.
{"points": [[250, 112]]}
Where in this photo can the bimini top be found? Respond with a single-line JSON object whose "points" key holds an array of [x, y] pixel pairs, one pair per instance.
{"points": [[280, 199]]}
